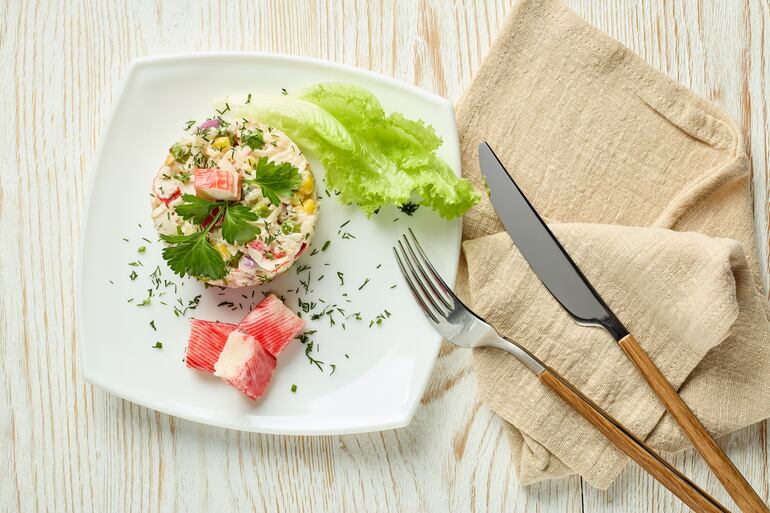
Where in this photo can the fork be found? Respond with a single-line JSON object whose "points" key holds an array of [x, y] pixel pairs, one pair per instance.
{"points": [[464, 328]]}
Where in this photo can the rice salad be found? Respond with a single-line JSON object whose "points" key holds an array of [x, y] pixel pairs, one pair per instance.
{"points": [[242, 187]]}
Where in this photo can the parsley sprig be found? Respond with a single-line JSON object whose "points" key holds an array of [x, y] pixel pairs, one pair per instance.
{"points": [[193, 254], [275, 180]]}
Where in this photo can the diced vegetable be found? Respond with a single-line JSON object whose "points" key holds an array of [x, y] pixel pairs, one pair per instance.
{"points": [[180, 152], [222, 143], [254, 140], [209, 123]]}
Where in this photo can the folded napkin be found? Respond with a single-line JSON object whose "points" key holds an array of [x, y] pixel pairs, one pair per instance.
{"points": [[646, 185]]}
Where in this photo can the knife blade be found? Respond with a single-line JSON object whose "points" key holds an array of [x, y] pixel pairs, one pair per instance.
{"points": [[542, 251], [562, 277]]}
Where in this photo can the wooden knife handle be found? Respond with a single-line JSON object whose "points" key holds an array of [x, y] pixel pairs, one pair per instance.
{"points": [[697, 499], [735, 484]]}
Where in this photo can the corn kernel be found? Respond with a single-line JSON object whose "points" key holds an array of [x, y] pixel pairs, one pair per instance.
{"points": [[308, 185], [221, 143], [309, 205], [223, 250]]}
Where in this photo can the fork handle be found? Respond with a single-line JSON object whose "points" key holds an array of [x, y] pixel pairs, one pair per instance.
{"points": [[692, 495], [736, 485]]}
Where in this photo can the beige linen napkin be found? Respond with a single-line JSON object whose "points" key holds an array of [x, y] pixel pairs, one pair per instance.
{"points": [[646, 185]]}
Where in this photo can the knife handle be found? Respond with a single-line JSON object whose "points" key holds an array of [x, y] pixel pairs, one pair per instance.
{"points": [[697, 499], [735, 484]]}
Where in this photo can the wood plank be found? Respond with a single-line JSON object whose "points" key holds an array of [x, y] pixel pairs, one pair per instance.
{"points": [[71, 447]]}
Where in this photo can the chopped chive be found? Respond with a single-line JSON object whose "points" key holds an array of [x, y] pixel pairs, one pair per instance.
{"points": [[341, 276], [379, 265], [125, 239], [133, 275], [393, 286], [364, 284], [158, 345], [148, 241], [294, 388], [326, 245], [152, 325], [344, 224], [141, 249]]}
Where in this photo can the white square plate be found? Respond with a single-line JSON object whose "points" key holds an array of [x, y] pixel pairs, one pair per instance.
{"points": [[376, 386]]}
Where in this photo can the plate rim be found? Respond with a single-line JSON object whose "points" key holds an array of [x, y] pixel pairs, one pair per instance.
{"points": [[399, 418]]}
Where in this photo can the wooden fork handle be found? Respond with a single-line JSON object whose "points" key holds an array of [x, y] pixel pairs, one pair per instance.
{"points": [[697, 499], [735, 484]]}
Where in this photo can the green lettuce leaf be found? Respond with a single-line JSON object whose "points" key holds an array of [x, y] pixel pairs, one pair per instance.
{"points": [[372, 158]]}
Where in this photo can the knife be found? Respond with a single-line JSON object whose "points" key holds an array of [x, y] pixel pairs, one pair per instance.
{"points": [[564, 280]]}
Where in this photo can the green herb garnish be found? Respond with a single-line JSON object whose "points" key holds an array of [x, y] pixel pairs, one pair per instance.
{"points": [[158, 345], [294, 388], [275, 180], [409, 208], [196, 209], [255, 140], [237, 227], [194, 255], [326, 245]]}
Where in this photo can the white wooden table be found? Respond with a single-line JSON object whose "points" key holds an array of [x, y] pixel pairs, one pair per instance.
{"points": [[69, 447]]}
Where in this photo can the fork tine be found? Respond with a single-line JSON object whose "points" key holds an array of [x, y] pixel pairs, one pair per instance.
{"points": [[425, 276], [425, 293], [413, 289], [433, 271]]}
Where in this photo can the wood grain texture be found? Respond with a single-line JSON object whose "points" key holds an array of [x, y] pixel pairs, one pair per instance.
{"points": [[723, 469], [688, 492], [69, 447]]}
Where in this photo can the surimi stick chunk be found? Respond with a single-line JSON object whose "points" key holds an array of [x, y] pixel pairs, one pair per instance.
{"points": [[207, 339], [217, 184], [245, 364], [272, 324]]}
